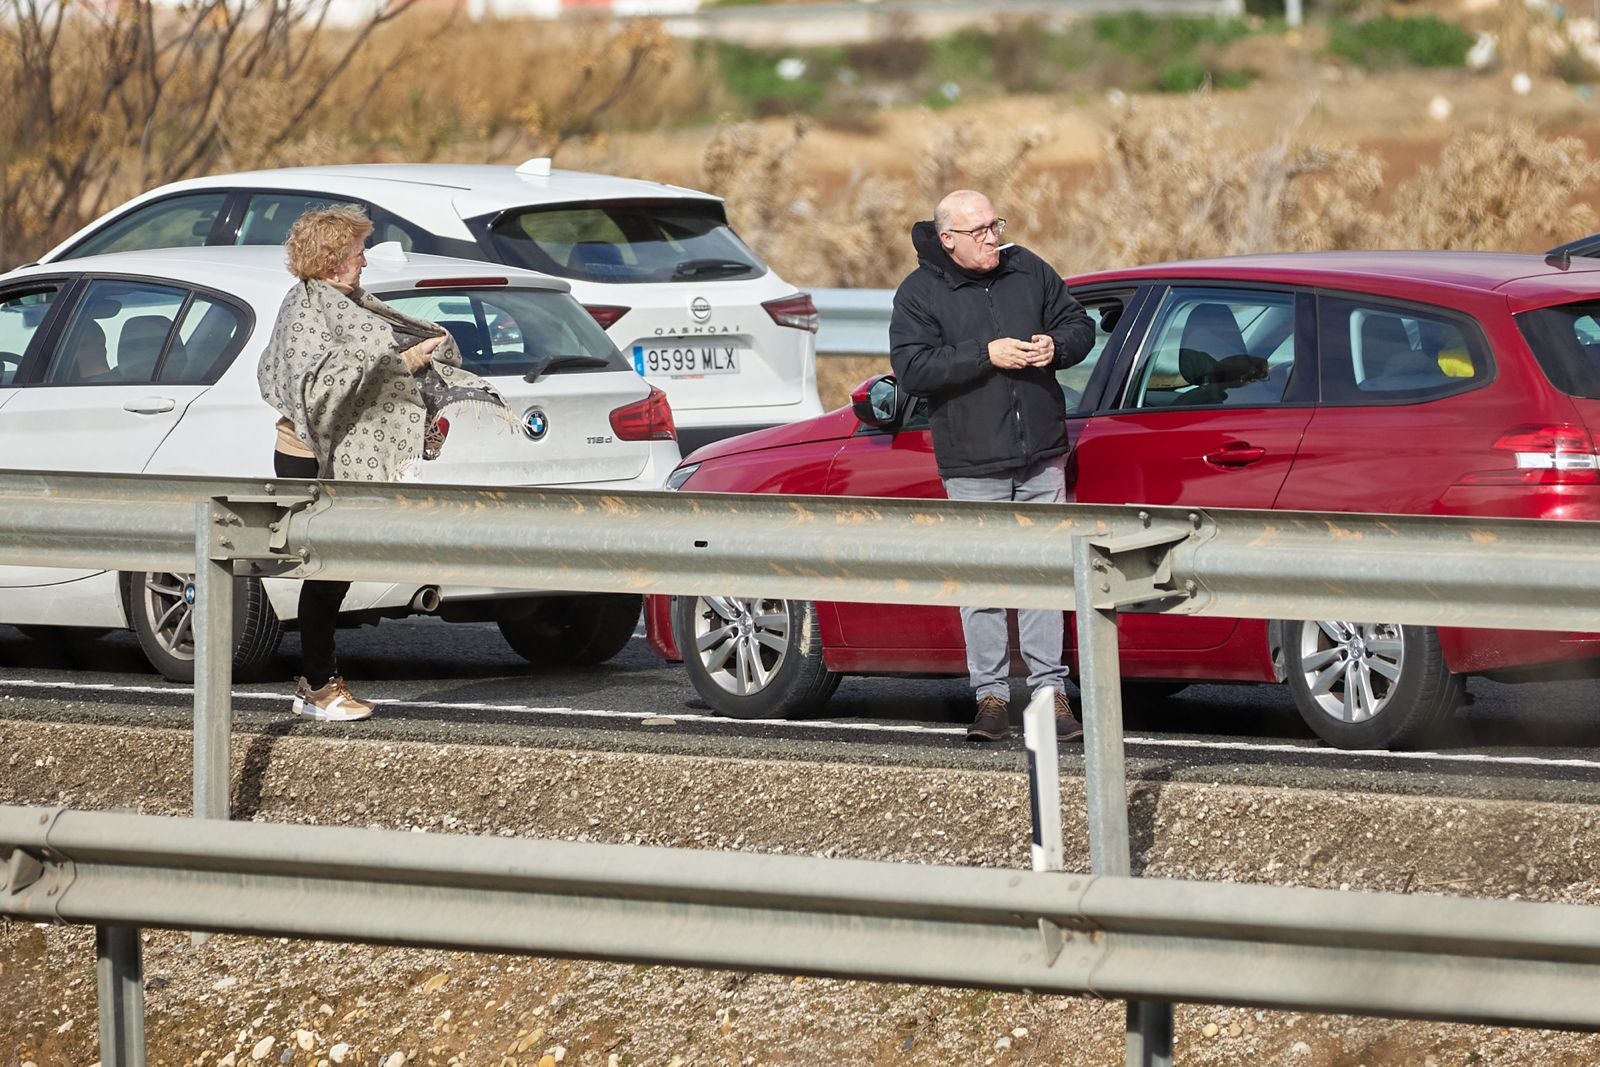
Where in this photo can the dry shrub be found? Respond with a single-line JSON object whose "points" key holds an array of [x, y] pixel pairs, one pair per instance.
{"points": [[1175, 184], [1493, 190], [510, 88], [109, 100], [1181, 187]]}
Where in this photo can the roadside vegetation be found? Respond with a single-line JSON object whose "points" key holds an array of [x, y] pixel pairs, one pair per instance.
{"points": [[110, 101]]}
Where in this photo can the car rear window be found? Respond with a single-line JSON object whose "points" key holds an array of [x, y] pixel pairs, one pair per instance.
{"points": [[1566, 342], [673, 241], [514, 331]]}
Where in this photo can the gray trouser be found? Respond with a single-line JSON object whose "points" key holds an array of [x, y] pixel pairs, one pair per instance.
{"points": [[1040, 632]]}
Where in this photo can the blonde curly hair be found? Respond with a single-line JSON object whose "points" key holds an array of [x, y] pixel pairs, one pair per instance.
{"points": [[321, 238]]}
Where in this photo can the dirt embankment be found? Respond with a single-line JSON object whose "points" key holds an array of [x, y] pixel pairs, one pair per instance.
{"points": [[238, 1001]]}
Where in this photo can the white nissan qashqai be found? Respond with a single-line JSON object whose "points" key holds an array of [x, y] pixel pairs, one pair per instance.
{"points": [[145, 362], [686, 301]]}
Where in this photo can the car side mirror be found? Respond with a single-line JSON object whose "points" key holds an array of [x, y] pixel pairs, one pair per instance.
{"points": [[880, 402]]}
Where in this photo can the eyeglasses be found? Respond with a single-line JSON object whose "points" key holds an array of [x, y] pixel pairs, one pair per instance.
{"points": [[997, 227]]}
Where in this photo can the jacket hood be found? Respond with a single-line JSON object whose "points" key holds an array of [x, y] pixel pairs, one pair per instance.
{"points": [[932, 254]]}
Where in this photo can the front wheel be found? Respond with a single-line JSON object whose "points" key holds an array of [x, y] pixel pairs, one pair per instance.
{"points": [[1369, 685], [567, 630], [753, 658], [161, 604]]}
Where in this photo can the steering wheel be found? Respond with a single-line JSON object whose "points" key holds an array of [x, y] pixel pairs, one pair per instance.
{"points": [[9, 364]]}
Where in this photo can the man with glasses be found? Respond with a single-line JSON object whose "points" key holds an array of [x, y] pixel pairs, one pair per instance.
{"points": [[980, 329]]}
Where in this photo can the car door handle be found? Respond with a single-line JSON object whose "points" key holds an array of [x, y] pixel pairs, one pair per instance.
{"points": [[1237, 454], [150, 405]]}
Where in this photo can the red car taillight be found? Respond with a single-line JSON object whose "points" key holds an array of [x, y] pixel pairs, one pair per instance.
{"points": [[1544, 455], [649, 419], [605, 314], [797, 311]]}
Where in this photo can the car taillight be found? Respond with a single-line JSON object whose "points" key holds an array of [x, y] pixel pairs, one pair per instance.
{"points": [[1544, 455], [605, 314], [797, 311], [649, 419]]}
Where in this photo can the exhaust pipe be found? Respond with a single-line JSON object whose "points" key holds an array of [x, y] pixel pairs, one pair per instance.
{"points": [[427, 599]]}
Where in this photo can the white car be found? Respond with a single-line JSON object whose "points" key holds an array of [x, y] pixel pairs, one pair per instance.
{"points": [[695, 310], [145, 362]]}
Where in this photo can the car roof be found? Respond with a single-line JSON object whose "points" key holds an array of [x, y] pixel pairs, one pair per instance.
{"points": [[253, 270], [437, 196], [1527, 279]]}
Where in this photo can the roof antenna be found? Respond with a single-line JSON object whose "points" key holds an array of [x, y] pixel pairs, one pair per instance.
{"points": [[1560, 259]]}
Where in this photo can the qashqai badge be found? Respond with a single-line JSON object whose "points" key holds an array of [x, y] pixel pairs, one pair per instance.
{"points": [[535, 424], [700, 308]]}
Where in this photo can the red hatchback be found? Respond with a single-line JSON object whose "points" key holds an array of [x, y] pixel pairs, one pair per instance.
{"points": [[1405, 382]]}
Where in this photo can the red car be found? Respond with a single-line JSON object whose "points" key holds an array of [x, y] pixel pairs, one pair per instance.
{"points": [[1405, 382]]}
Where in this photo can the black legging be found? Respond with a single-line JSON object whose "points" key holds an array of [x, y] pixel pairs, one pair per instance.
{"points": [[319, 601]]}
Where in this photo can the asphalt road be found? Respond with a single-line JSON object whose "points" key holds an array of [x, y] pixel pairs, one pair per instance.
{"points": [[460, 683]]}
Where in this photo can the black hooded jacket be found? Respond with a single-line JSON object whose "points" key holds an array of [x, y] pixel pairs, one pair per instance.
{"points": [[985, 420]]}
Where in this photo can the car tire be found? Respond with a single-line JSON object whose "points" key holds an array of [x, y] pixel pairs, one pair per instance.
{"points": [[161, 606], [753, 658], [564, 630], [1369, 685]]}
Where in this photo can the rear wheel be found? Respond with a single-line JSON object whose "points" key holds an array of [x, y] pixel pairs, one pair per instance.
{"points": [[753, 658], [564, 630], [161, 604], [1369, 685]]}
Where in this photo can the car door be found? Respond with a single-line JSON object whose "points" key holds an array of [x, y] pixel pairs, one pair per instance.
{"points": [[1208, 411], [103, 403], [1407, 409]]}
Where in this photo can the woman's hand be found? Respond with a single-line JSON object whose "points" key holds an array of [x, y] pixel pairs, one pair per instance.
{"points": [[420, 355]]}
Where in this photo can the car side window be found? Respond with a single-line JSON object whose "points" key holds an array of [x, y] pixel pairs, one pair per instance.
{"points": [[210, 334], [21, 315], [118, 334], [1217, 348], [1371, 351], [182, 221], [268, 216], [1105, 311]]}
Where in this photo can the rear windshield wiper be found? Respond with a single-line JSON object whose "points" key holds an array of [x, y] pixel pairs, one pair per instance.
{"points": [[695, 268], [549, 363]]}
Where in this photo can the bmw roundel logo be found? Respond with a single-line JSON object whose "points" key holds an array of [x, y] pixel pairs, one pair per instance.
{"points": [[535, 424], [700, 308]]}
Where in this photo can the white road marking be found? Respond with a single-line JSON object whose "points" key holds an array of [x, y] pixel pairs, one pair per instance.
{"points": [[1331, 754]]}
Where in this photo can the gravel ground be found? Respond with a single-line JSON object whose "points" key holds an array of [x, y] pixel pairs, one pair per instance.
{"points": [[238, 1001]]}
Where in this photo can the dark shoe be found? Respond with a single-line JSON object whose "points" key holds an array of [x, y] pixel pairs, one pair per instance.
{"points": [[1068, 728], [993, 721]]}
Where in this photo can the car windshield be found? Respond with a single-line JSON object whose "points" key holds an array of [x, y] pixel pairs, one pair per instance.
{"points": [[670, 241], [1566, 342], [515, 331]]}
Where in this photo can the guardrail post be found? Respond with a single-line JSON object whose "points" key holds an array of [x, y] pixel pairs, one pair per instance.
{"points": [[120, 968], [213, 662], [1149, 1024]]}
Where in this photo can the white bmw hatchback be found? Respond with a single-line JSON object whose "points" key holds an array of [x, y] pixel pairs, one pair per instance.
{"points": [[145, 362], [692, 307]]}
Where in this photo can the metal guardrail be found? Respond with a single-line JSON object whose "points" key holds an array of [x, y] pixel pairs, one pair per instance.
{"points": [[853, 322], [1092, 559], [1503, 962]]}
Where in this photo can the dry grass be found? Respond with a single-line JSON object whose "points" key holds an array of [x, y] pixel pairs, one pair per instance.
{"points": [[1174, 182], [1084, 183]]}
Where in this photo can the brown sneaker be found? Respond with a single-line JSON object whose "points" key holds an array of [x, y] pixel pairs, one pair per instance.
{"points": [[1068, 728], [332, 703], [993, 721]]}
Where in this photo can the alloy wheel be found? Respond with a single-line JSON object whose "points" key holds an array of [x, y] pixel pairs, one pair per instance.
{"points": [[167, 600], [741, 642], [1351, 669]]}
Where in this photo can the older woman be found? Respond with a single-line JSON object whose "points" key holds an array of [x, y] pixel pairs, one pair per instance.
{"points": [[341, 369]]}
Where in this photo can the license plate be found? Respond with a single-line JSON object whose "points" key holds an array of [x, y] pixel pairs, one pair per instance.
{"points": [[688, 359]]}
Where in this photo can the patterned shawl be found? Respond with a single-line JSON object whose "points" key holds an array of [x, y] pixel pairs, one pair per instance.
{"points": [[333, 368]]}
